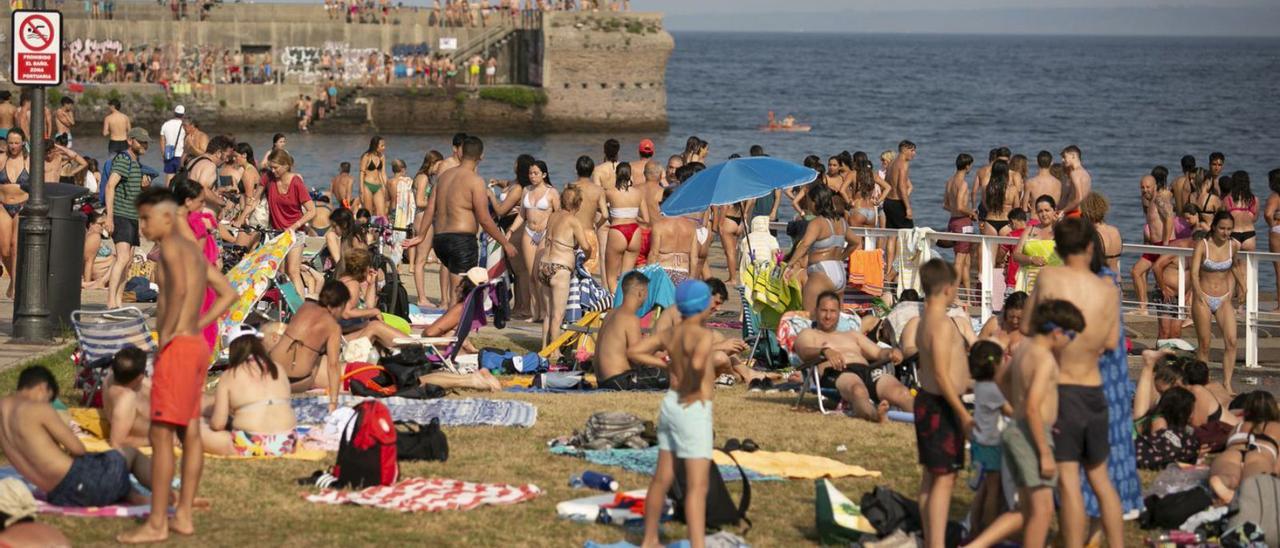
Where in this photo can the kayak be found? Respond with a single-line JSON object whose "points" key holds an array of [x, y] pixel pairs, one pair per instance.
{"points": [[798, 128]]}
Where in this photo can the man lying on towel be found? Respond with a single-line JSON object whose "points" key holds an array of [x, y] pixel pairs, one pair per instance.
{"points": [[48, 454]]}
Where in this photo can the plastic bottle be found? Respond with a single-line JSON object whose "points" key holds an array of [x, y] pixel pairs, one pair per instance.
{"points": [[594, 480]]}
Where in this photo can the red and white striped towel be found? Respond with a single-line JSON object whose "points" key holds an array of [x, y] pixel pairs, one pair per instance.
{"points": [[430, 495]]}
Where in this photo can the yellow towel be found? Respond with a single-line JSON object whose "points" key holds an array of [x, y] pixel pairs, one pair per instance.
{"points": [[92, 422], [794, 465]]}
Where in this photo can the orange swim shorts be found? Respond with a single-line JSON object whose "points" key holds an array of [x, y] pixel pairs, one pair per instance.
{"points": [[1073, 213], [178, 382]]}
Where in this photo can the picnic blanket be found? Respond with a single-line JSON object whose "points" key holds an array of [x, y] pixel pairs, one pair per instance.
{"points": [[430, 495], [462, 412], [93, 427], [113, 511], [645, 461], [794, 465]]}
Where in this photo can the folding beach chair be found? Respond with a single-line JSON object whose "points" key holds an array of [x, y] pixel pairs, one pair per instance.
{"points": [[100, 334], [472, 314]]}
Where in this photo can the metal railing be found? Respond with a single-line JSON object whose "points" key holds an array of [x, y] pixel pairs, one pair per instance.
{"points": [[1253, 319]]}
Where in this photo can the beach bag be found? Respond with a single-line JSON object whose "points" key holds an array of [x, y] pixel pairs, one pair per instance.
{"points": [[498, 361], [721, 510], [367, 449], [1170, 511], [611, 430], [421, 442], [368, 380], [888, 511], [839, 520], [1258, 502]]}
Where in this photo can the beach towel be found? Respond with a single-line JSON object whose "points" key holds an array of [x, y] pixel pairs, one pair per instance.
{"points": [[645, 461], [430, 495], [585, 293], [913, 251], [661, 291], [451, 412], [1045, 249], [866, 271], [794, 465], [719, 539], [112, 511], [93, 426]]}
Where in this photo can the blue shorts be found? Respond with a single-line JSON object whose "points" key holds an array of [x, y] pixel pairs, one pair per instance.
{"points": [[95, 479], [684, 429], [985, 457], [171, 165]]}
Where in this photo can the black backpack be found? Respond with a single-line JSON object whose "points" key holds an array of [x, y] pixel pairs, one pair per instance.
{"points": [[721, 510], [393, 298], [889, 511], [418, 442], [184, 171]]}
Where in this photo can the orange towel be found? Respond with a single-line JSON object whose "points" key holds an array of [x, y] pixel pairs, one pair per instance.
{"points": [[866, 271]]}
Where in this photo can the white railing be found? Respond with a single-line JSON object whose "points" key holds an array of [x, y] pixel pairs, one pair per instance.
{"points": [[1253, 318]]}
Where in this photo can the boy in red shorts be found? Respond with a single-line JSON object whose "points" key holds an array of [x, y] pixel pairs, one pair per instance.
{"points": [[180, 367]]}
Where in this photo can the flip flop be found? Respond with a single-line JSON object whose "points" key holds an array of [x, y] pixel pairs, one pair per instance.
{"points": [[749, 445], [732, 445]]}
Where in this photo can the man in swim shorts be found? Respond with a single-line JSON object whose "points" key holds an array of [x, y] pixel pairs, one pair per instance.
{"points": [[1081, 181], [618, 367], [44, 450], [956, 202], [897, 203], [115, 127], [456, 209]]}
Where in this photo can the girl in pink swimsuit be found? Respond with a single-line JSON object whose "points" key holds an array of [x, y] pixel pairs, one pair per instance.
{"points": [[204, 231]]}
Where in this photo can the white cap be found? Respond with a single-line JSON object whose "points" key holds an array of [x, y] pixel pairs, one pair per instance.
{"points": [[179, 110], [237, 331]]}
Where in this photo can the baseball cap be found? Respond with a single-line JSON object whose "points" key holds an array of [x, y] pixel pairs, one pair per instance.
{"points": [[692, 297], [646, 147], [140, 135], [179, 110], [241, 330], [16, 502]]}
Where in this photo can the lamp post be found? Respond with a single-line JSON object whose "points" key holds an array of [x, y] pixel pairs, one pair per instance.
{"points": [[31, 321]]}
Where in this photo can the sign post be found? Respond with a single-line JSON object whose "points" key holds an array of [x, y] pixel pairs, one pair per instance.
{"points": [[36, 43]]}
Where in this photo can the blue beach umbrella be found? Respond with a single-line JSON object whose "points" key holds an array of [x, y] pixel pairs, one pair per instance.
{"points": [[735, 181]]}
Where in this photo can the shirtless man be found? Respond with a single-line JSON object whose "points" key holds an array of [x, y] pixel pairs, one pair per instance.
{"points": [[1182, 185], [1217, 166], [126, 400], [942, 422], [203, 169], [65, 119], [1043, 183], [1081, 439], [1081, 181], [44, 450], [619, 367], [455, 159], [846, 359], [1157, 206], [673, 163], [8, 113], [340, 186], [181, 364], [590, 215], [725, 352], [457, 207], [605, 173], [115, 127], [897, 203], [956, 202], [646, 156]]}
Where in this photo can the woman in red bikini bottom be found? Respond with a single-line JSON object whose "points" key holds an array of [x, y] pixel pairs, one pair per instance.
{"points": [[626, 212]]}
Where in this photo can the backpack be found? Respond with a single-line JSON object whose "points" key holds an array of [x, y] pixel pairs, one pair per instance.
{"points": [[367, 448], [1258, 501], [393, 298], [721, 510], [184, 171], [1170, 511], [611, 430], [418, 442], [368, 380], [890, 511]]}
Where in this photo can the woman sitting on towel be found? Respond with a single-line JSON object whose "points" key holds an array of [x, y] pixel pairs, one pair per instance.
{"points": [[251, 412]]}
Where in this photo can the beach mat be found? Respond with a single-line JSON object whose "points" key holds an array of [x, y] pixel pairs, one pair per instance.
{"points": [[793, 465], [112, 511], [451, 412], [430, 495], [645, 461], [92, 426]]}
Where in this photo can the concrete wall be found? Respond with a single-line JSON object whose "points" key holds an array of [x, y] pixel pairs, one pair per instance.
{"points": [[395, 112], [605, 71], [262, 32], [221, 108]]}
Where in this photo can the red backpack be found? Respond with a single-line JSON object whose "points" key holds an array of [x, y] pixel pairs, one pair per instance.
{"points": [[367, 448]]}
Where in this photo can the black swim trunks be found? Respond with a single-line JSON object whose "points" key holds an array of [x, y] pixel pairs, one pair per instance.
{"points": [[640, 378], [869, 375], [939, 436], [457, 251], [117, 147], [95, 479], [1080, 435], [895, 215], [126, 231]]}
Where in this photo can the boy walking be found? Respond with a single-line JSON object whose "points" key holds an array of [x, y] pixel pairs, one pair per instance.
{"points": [[181, 365]]}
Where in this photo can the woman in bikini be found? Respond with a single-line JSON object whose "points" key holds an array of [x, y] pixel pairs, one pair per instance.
{"points": [[1001, 196], [1095, 207], [824, 249], [732, 226], [834, 177], [557, 256], [252, 416], [13, 174], [1273, 222], [278, 142], [626, 205], [312, 333], [1203, 197], [1251, 449], [1240, 202], [253, 204], [540, 200], [863, 207], [1035, 248], [1213, 282], [373, 177], [423, 181]]}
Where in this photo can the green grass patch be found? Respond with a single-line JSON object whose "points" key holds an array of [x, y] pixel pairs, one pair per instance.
{"points": [[516, 96], [58, 362]]}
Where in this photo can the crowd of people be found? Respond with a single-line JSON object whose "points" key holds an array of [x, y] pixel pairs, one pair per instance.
{"points": [[1053, 362], [460, 13]]}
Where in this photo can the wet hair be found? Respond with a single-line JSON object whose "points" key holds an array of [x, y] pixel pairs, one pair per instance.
{"points": [[632, 280], [1161, 175], [1044, 159], [984, 355], [611, 148], [1259, 407], [1015, 301], [276, 139], [963, 161], [756, 150], [1056, 314], [1073, 235], [906, 145], [829, 295], [247, 151], [717, 287], [432, 158], [472, 148], [1175, 406], [250, 347], [1073, 149], [584, 166], [997, 186], [936, 275], [1221, 215], [155, 195], [571, 198], [1240, 192], [546, 173], [1018, 214], [1217, 156], [36, 375], [459, 139], [187, 189], [334, 294], [17, 131], [622, 176], [523, 163], [279, 156], [1094, 207], [219, 143], [1188, 163], [128, 364], [1195, 373]]}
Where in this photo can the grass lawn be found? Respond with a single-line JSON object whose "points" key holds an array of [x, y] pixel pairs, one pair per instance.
{"points": [[258, 502]]}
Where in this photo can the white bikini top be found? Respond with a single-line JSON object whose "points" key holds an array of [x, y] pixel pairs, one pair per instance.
{"points": [[544, 203], [624, 212]]}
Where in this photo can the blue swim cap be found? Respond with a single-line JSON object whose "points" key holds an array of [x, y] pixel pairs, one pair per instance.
{"points": [[692, 297]]}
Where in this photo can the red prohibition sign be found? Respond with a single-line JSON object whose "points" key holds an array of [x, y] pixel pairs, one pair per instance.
{"points": [[30, 30]]}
